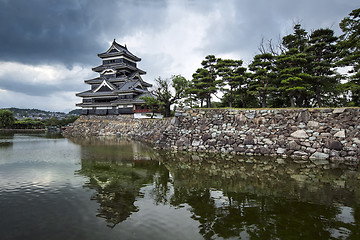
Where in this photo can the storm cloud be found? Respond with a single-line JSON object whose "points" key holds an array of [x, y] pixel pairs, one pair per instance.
{"points": [[48, 47]]}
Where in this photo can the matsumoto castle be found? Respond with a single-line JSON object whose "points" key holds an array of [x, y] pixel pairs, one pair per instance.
{"points": [[119, 88]]}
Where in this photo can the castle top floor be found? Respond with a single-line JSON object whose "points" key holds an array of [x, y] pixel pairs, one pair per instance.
{"points": [[117, 51]]}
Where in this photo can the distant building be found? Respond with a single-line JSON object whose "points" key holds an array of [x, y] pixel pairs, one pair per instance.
{"points": [[119, 88]]}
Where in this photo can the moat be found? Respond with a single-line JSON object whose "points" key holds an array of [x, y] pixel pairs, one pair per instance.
{"points": [[112, 188]]}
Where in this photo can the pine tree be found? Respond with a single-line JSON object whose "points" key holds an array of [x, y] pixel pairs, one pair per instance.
{"points": [[204, 82], [232, 76], [201, 86], [350, 52], [263, 74], [190, 95], [209, 78], [321, 56], [292, 68]]}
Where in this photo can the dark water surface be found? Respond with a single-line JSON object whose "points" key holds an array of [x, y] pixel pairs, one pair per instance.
{"points": [[105, 188]]}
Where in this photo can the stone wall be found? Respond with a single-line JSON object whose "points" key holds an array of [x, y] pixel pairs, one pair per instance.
{"points": [[148, 130], [318, 134]]}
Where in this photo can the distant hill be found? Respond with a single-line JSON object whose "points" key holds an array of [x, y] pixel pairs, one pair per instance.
{"points": [[21, 113], [30, 111], [75, 112]]}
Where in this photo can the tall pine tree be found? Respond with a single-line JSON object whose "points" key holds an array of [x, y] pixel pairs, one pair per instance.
{"points": [[292, 67], [321, 59], [350, 52], [263, 74], [202, 86], [210, 79], [232, 76], [205, 83]]}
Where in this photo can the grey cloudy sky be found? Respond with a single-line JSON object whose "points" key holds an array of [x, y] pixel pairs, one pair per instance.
{"points": [[48, 47]]}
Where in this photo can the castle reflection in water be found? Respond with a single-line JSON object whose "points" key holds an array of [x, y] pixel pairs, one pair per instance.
{"points": [[229, 196]]}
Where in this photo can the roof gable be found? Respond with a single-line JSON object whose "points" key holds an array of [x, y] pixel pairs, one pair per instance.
{"points": [[104, 89], [129, 85], [115, 47], [138, 85], [105, 86], [116, 50], [136, 76]]}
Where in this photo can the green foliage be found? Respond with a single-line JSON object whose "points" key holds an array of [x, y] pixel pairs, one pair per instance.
{"points": [[6, 118], [75, 112], [152, 103], [263, 77], [349, 48], [191, 97], [28, 123], [164, 97], [180, 84], [321, 61], [306, 67], [68, 120], [54, 122], [300, 72], [244, 100], [202, 85], [292, 65], [28, 112], [205, 82], [298, 40], [233, 75]]}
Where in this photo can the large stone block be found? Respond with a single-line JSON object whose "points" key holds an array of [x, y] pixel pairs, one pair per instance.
{"points": [[249, 140], [304, 116], [312, 124], [264, 150], [299, 134], [292, 145], [319, 156], [280, 151], [195, 143], [339, 110], [205, 137], [240, 118], [334, 144], [340, 134]]}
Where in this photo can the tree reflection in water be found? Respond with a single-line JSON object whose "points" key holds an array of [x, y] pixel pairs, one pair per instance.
{"points": [[117, 169], [258, 198], [229, 196], [117, 187], [6, 139]]}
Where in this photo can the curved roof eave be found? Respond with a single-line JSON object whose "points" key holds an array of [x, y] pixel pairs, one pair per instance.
{"points": [[122, 50]]}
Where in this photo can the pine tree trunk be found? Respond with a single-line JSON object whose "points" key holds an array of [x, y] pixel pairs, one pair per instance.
{"points": [[208, 101], [318, 98], [263, 102], [264, 94], [167, 110], [292, 102]]}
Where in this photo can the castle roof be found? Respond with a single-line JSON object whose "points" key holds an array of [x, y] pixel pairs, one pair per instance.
{"points": [[118, 50], [117, 66], [119, 83]]}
